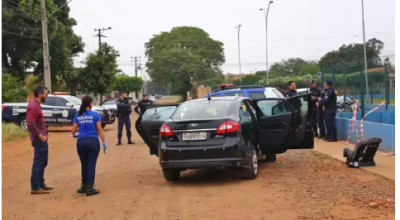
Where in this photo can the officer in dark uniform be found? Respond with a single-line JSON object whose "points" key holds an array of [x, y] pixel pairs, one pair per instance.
{"points": [[296, 103], [321, 117], [315, 93], [330, 110], [140, 105], [124, 109]]}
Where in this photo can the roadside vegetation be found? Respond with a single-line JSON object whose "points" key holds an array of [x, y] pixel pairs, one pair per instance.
{"points": [[11, 132]]}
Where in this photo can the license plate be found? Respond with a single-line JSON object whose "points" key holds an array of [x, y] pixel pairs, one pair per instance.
{"points": [[194, 136]]}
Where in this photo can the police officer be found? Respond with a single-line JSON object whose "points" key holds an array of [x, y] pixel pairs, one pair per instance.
{"points": [[140, 105], [321, 117], [315, 93], [330, 110], [291, 90], [124, 109]]}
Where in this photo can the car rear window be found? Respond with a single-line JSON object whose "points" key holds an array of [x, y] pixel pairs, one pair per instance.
{"points": [[202, 110], [257, 95], [161, 113], [234, 94]]}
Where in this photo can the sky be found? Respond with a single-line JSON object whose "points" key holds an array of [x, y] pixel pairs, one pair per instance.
{"points": [[296, 28]]}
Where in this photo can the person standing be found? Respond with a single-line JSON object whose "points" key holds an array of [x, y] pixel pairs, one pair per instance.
{"points": [[291, 90], [330, 111], [124, 109], [88, 144], [321, 117], [39, 137], [315, 93], [140, 105]]}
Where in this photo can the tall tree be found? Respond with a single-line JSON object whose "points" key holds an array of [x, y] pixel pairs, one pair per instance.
{"points": [[100, 71], [182, 56], [289, 67], [125, 83], [353, 54]]}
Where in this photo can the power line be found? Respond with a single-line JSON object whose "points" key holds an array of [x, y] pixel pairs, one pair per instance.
{"points": [[22, 35]]}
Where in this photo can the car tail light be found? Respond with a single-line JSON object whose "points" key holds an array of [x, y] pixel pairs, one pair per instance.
{"points": [[2, 107], [165, 130], [228, 127]]}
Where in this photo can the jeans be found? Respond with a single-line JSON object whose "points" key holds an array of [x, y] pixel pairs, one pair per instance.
{"points": [[88, 151], [127, 122], [40, 159]]}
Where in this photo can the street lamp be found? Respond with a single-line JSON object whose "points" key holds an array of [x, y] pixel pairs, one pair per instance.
{"points": [[365, 49], [266, 40], [240, 61]]}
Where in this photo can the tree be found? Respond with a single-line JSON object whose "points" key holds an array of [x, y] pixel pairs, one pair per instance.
{"points": [[125, 83], [12, 89], [182, 56], [312, 68], [353, 54], [289, 67], [100, 71]]}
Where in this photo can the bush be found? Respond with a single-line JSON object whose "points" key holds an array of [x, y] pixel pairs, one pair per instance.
{"points": [[12, 89], [11, 132]]}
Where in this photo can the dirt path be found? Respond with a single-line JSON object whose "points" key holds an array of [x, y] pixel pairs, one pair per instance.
{"points": [[301, 184]]}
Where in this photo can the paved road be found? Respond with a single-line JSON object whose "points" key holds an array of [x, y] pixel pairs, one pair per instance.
{"points": [[301, 184]]}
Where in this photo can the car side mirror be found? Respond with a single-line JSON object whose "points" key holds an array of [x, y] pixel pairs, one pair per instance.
{"points": [[69, 104]]}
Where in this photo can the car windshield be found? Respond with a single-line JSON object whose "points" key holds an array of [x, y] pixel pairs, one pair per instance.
{"points": [[75, 100], [202, 110], [111, 102]]}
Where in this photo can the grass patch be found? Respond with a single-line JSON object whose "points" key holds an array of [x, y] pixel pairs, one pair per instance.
{"points": [[12, 132]]}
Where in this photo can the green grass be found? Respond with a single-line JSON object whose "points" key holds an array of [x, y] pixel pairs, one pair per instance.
{"points": [[11, 132]]}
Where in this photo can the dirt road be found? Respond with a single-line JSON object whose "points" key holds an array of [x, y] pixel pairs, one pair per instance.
{"points": [[301, 184]]}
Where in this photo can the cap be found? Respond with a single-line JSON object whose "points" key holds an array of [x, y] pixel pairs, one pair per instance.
{"points": [[312, 81], [329, 82]]}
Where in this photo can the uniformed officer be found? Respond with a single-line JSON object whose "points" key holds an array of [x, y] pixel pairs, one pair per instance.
{"points": [[124, 109], [315, 93], [330, 110], [142, 103], [291, 90], [321, 117]]}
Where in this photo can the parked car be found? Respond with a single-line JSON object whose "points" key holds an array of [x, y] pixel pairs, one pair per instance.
{"points": [[158, 96], [253, 92], [152, 98], [112, 104], [58, 110], [223, 132]]}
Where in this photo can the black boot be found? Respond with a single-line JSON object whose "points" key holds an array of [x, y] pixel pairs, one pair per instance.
{"points": [[119, 142], [90, 191], [83, 188], [130, 142]]}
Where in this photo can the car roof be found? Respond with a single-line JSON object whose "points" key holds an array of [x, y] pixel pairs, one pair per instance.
{"points": [[220, 98]]}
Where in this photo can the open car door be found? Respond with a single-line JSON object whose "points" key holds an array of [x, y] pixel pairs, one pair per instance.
{"points": [[280, 126], [149, 122], [304, 134]]}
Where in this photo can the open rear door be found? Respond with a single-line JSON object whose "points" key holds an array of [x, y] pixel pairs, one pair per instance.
{"points": [[149, 122], [277, 121], [303, 137]]}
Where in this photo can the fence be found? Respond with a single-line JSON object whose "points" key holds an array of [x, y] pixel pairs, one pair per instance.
{"points": [[350, 81]]}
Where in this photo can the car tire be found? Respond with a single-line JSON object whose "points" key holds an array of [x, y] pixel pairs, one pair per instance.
{"points": [[23, 123], [103, 125], [251, 171], [270, 157], [171, 174]]}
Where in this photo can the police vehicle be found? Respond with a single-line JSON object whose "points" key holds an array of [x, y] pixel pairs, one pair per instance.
{"points": [[58, 110]]}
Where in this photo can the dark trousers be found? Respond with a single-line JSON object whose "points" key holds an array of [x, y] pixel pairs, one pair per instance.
{"points": [[88, 151], [127, 122], [331, 123], [314, 122], [40, 159], [321, 123]]}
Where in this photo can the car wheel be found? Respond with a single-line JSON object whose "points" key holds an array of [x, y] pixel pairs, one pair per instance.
{"points": [[23, 123], [251, 171], [270, 157], [171, 174], [103, 125]]}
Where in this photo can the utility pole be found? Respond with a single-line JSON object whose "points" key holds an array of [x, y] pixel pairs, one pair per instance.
{"points": [[365, 50], [240, 60], [100, 30], [136, 59], [46, 57], [266, 42]]}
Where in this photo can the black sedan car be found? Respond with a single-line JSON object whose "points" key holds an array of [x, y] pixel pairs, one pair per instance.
{"points": [[224, 132]]}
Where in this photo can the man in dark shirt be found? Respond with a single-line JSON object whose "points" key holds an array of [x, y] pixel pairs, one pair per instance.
{"points": [[38, 135], [312, 105], [330, 111], [140, 105], [124, 109]]}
